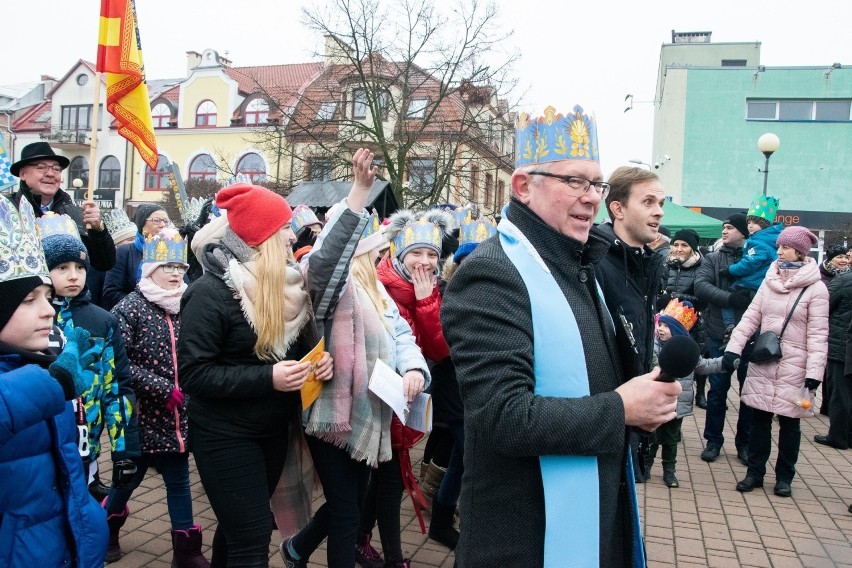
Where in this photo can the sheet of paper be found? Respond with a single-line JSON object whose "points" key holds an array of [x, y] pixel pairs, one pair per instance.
{"points": [[386, 384], [313, 386], [420, 413]]}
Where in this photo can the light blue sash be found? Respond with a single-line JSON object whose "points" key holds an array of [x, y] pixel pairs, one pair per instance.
{"points": [[571, 495]]}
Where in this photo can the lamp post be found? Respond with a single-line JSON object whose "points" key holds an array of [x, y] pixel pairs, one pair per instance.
{"points": [[768, 144]]}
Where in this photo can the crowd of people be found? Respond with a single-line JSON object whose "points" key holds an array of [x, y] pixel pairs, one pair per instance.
{"points": [[250, 337]]}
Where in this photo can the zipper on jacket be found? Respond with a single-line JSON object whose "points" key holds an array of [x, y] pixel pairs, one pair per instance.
{"points": [[174, 364]]}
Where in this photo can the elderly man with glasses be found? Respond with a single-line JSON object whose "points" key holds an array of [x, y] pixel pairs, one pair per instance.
{"points": [[40, 170]]}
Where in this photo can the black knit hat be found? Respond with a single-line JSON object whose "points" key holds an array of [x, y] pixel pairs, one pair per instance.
{"points": [[144, 212], [688, 236], [12, 293], [835, 250], [739, 222], [59, 249]]}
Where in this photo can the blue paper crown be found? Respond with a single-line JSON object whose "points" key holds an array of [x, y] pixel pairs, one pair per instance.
{"points": [[51, 223], [553, 137], [21, 255], [461, 216], [164, 248], [302, 217], [419, 232], [373, 226], [476, 231]]}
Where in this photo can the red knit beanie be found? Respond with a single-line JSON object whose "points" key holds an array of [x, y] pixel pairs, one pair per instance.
{"points": [[254, 212]]}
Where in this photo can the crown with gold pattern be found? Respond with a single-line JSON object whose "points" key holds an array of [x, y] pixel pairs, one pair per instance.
{"points": [[119, 225], [165, 246], [476, 231], [21, 255], [682, 313], [408, 230], [303, 216], [51, 223], [461, 215], [553, 137], [765, 207]]}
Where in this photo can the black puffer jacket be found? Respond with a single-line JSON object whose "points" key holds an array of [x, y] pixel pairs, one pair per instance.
{"points": [[680, 281], [99, 243], [630, 277], [713, 289], [839, 315]]}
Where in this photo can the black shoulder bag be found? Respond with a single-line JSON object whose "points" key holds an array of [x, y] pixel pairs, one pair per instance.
{"points": [[767, 346]]}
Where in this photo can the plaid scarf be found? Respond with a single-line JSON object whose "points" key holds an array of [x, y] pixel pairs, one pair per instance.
{"points": [[346, 413]]}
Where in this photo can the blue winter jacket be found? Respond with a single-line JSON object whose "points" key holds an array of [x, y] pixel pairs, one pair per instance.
{"points": [[43, 493], [759, 252]]}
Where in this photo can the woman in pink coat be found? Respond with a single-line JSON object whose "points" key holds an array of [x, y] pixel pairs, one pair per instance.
{"points": [[776, 387]]}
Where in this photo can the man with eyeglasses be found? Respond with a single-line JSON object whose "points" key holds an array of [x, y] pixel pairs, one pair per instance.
{"points": [[40, 170], [630, 275], [547, 479]]}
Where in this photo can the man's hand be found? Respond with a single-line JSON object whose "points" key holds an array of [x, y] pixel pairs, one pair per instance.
{"points": [[92, 215], [365, 174], [424, 282], [413, 383], [288, 376], [649, 403]]}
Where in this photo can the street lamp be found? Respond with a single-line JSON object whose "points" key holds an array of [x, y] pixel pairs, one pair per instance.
{"points": [[640, 162], [768, 144]]}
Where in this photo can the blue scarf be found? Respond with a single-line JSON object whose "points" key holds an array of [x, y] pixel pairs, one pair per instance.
{"points": [[139, 243], [571, 483]]}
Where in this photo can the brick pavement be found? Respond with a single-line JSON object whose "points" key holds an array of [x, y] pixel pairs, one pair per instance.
{"points": [[705, 522]]}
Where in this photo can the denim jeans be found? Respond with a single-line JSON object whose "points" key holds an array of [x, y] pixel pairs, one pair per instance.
{"points": [[717, 400], [239, 474], [175, 471], [450, 489], [344, 484], [789, 438]]}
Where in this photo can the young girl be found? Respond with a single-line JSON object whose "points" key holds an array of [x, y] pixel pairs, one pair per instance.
{"points": [[47, 517], [676, 321]]}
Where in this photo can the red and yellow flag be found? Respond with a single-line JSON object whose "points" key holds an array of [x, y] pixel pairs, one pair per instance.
{"points": [[120, 57]]}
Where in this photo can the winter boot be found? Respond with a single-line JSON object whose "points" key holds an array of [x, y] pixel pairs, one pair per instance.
{"points": [[114, 522], [700, 398], [365, 555], [432, 481], [441, 528], [186, 545], [669, 475]]}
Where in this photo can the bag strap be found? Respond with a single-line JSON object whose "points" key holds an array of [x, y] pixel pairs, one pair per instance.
{"points": [[789, 315]]}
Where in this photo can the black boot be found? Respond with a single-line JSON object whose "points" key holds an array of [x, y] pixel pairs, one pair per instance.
{"points": [[441, 528], [114, 522], [700, 399], [669, 475], [186, 545]]}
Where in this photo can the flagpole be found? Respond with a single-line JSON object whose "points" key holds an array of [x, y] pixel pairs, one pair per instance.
{"points": [[93, 147]]}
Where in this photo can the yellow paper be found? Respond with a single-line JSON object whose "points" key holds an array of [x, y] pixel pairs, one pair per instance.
{"points": [[313, 386]]}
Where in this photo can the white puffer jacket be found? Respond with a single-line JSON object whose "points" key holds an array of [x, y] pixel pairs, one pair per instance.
{"points": [[775, 386]]}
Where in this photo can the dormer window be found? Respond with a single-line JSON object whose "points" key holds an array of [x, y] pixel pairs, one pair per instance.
{"points": [[205, 114], [257, 111], [161, 115], [360, 103], [417, 108], [326, 110]]}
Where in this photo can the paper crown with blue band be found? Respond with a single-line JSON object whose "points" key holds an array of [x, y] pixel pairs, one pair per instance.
{"points": [[303, 217], [164, 248], [374, 226], [21, 255], [50, 224], [476, 231], [553, 137], [679, 314], [765, 207], [461, 216]]}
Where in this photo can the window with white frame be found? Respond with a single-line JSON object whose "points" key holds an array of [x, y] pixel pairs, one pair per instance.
{"points": [[157, 180], [417, 108], [257, 111], [205, 114], [326, 110], [110, 175], [203, 167], [253, 166], [799, 110], [361, 103], [421, 175], [161, 115]]}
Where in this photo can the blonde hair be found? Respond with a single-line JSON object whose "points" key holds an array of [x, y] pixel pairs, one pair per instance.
{"points": [[271, 262], [364, 273]]}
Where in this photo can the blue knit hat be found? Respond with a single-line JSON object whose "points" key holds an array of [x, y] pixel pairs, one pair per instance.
{"points": [[679, 316], [59, 249]]}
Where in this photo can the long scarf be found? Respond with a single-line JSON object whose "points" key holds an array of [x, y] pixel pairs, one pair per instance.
{"points": [[346, 413], [169, 300]]}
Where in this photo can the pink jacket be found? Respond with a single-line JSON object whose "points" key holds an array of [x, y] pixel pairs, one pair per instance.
{"points": [[776, 385]]}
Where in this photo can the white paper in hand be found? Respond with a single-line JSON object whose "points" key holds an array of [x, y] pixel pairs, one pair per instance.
{"points": [[386, 384]]}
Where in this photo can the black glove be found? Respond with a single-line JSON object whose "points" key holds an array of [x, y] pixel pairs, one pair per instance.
{"points": [[724, 272], [740, 299], [811, 384], [730, 361], [122, 472], [70, 367]]}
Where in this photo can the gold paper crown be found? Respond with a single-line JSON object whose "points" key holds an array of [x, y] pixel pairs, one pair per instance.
{"points": [[684, 314], [164, 248], [51, 223], [553, 137], [476, 231], [21, 255]]}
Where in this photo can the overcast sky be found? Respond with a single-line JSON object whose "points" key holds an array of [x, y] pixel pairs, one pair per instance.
{"points": [[593, 52]]}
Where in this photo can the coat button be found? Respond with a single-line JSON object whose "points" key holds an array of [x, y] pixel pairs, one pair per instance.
{"points": [[584, 276]]}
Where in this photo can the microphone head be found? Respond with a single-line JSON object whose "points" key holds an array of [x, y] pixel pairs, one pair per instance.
{"points": [[679, 356]]}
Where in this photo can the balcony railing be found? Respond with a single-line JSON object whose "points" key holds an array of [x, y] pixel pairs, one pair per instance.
{"points": [[68, 137]]}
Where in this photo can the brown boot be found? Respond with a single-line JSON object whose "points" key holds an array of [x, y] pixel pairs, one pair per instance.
{"points": [[432, 481], [114, 522], [186, 545]]}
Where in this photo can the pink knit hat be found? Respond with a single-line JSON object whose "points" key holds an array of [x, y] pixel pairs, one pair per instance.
{"points": [[254, 212], [799, 238]]}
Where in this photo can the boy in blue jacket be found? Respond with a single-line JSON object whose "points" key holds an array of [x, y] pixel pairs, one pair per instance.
{"points": [[109, 400], [759, 252], [47, 517]]}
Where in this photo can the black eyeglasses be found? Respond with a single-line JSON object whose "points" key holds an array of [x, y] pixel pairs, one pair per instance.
{"points": [[577, 183], [170, 268]]}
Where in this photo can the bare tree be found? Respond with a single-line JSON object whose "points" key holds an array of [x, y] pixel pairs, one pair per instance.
{"points": [[422, 89]]}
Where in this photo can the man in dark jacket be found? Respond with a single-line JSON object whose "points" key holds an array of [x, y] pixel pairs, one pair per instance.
{"points": [[840, 408], [531, 405], [712, 286], [40, 170], [629, 275]]}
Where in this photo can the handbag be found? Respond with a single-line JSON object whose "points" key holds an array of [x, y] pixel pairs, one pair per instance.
{"points": [[767, 346]]}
